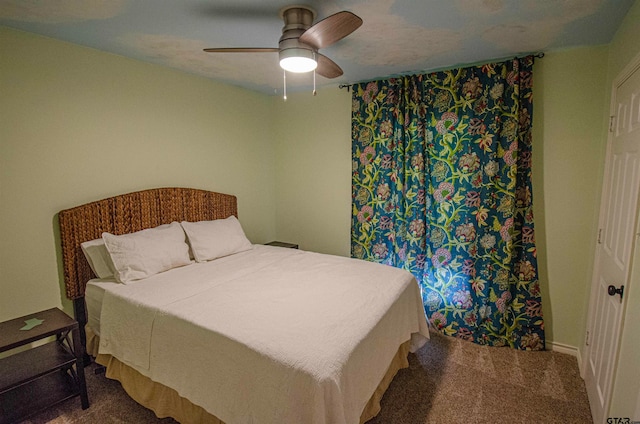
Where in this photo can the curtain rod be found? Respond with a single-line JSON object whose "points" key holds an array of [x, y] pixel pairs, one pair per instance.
{"points": [[538, 55]]}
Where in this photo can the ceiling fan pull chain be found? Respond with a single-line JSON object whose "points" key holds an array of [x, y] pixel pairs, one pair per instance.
{"points": [[314, 77], [314, 74], [314, 82], [284, 73]]}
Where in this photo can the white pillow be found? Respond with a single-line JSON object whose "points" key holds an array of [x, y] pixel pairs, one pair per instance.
{"points": [[98, 257], [214, 239], [145, 253]]}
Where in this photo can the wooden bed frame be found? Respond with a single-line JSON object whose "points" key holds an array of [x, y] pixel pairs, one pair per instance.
{"points": [[124, 214]]}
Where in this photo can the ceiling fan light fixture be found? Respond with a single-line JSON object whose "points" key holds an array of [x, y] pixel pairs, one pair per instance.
{"points": [[298, 60]]}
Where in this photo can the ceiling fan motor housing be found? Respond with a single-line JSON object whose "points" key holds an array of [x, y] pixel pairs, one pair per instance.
{"points": [[297, 19]]}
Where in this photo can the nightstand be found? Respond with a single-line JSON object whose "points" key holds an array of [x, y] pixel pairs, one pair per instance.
{"points": [[37, 378], [282, 244]]}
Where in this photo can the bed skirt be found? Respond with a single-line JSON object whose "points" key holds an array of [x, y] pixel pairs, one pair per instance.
{"points": [[166, 402]]}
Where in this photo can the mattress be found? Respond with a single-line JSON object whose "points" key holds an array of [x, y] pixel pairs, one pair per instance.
{"points": [[265, 336], [93, 296]]}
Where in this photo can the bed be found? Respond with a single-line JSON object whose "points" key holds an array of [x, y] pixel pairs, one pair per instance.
{"points": [[263, 335]]}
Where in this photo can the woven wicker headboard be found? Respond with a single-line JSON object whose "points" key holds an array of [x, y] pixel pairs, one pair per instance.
{"points": [[128, 213]]}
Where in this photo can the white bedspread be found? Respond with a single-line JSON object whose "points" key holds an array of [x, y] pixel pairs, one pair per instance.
{"points": [[269, 335]]}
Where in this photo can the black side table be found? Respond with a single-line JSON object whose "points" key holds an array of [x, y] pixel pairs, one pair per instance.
{"points": [[37, 378]]}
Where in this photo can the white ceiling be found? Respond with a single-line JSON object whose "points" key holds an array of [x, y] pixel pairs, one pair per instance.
{"points": [[397, 37]]}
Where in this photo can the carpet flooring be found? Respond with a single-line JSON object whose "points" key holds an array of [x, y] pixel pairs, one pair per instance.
{"points": [[448, 381]]}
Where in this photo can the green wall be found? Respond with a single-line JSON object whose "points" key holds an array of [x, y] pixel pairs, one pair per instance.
{"points": [[569, 134], [79, 125], [313, 170]]}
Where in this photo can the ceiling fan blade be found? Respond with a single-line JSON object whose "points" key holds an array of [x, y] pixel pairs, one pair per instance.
{"points": [[244, 50], [331, 29], [327, 67]]}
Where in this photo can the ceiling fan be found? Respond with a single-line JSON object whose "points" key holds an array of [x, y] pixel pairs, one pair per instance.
{"points": [[301, 39]]}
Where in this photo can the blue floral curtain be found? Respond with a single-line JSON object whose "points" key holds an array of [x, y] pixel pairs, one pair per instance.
{"points": [[442, 188]]}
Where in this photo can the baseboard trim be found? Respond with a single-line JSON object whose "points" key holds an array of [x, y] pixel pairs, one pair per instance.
{"points": [[567, 349]]}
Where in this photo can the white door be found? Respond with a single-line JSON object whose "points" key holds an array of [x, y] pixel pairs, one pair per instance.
{"points": [[616, 242]]}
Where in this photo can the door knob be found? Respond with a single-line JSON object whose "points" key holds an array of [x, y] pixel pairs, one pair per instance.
{"points": [[612, 290]]}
